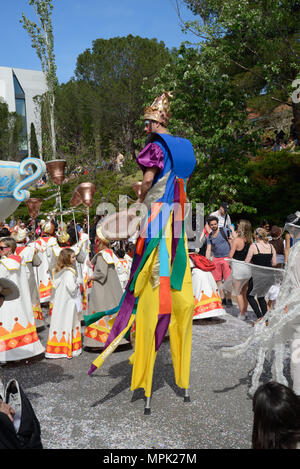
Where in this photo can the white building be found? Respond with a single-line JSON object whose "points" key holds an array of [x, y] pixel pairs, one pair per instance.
{"points": [[18, 87]]}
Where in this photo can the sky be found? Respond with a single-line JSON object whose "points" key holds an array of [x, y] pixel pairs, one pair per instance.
{"points": [[77, 23]]}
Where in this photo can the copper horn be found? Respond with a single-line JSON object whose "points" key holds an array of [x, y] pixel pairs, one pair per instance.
{"points": [[76, 199], [86, 190], [56, 170], [33, 206]]}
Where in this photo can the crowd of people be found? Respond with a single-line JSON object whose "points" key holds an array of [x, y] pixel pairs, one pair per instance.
{"points": [[82, 278], [280, 141]]}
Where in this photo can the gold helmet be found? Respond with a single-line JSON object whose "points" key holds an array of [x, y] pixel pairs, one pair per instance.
{"points": [[159, 110]]}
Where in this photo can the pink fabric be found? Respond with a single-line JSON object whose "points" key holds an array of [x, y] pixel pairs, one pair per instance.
{"points": [[151, 157], [222, 271]]}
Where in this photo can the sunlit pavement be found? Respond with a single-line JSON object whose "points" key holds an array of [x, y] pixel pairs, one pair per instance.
{"points": [[100, 412]]}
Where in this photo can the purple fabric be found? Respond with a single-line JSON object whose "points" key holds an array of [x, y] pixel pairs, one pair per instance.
{"points": [[122, 318], [151, 157], [175, 239], [161, 329], [92, 369]]}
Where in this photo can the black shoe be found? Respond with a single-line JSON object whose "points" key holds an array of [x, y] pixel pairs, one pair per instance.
{"points": [[224, 302], [229, 303]]}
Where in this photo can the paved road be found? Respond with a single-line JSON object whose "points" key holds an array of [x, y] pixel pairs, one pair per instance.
{"points": [[78, 411]]}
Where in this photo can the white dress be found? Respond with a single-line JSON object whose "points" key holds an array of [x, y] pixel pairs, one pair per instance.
{"points": [[43, 271], [206, 295], [27, 253], [64, 340], [18, 335]]}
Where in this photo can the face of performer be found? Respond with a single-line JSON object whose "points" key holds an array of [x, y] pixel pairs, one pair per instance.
{"points": [[73, 258], [4, 250], [151, 126], [213, 226], [1, 300]]}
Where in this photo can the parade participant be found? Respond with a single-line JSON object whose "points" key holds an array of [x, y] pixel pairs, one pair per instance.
{"points": [[208, 302], [30, 258], [18, 335], [64, 340], [280, 324], [45, 243], [106, 292], [159, 294]]}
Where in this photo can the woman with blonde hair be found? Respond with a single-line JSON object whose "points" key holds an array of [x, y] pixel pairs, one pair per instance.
{"points": [[261, 253], [64, 340], [239, 250]]}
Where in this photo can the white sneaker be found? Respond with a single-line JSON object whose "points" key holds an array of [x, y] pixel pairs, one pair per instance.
{"points": [[13, 398], [242, 317]]}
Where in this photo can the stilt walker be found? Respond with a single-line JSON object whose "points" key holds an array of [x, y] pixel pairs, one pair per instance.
{"points": [[160, 274]]}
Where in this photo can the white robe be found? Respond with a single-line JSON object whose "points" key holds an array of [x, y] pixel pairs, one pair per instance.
{"points": [[206, 296], [64, 340], [18, 335]]}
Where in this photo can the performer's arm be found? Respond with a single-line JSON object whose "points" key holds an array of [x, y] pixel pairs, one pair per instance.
{"points": [[147, 183]]}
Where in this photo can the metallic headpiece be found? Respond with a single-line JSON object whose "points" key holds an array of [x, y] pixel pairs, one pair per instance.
{"points": [[100, 234], [48, 227], [19, 235], [159, 110]]}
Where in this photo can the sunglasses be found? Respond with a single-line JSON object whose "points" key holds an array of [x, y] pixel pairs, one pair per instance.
{"points": [[3, 247]]}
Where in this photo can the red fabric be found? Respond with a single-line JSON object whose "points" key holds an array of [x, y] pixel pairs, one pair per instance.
{"points": [[202, 262]]}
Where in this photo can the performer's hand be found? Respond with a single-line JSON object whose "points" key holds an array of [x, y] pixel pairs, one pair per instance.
{"points": [[7, 410], [89, 264], [286, 309]]}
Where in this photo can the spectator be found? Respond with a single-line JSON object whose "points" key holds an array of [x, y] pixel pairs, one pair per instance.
{"points": [[276, 422], [262, 253], [277, 242], [239, 250], [222, 215], [266, 226], [218, 247]]}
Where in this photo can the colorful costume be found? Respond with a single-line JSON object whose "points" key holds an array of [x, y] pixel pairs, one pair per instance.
{"points": [[206, 295], [64, 340], [18, 335], [106, 294], [159, 294]]}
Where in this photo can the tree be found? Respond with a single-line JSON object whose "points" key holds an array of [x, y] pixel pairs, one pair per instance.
{"points": [[43, 42], [34, 147], [210, 111], [111, 76], [260, 41], [11, 126]]}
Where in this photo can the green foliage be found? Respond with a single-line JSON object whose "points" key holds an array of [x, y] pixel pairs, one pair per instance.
{"points": [[34, 147], [109, 187], [273, 185], [42, 40], [210, 111], [11, 126]]}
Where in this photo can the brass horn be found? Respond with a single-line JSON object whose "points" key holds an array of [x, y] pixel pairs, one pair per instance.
{"points": [[56, 170], [33, 206], [76, 199], [86, 191]]}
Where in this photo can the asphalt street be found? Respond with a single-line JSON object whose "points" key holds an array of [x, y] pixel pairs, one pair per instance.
{"points": [[77, 411]]}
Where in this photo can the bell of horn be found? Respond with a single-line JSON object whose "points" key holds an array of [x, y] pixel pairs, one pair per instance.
{"points": [[76, 199], [56, 170], [33, 206], [86, 191]]}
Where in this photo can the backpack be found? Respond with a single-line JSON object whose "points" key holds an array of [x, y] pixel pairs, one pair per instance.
{"points": [[222, 231]]}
